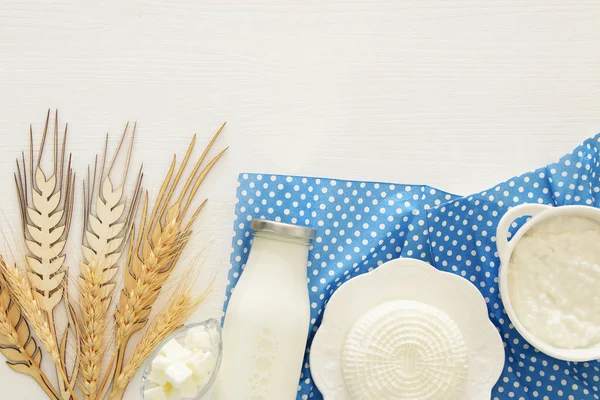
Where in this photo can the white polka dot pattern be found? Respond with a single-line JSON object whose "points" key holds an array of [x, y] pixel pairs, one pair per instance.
{"points": [[362, 225]]}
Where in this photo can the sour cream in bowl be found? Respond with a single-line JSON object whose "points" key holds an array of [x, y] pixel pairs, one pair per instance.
{"points": [[549, 278]]}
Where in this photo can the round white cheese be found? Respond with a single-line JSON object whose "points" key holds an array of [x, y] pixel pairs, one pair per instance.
{"points": [[405, 350]]}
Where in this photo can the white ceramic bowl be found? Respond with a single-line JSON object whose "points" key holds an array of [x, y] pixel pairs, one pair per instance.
{"points": [[538, 213]]}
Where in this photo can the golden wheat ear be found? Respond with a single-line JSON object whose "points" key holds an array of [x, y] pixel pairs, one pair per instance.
{"points": [[161, 238], [172, 317], [46, 203], [18, 345], [106, 231], [26, 297]]}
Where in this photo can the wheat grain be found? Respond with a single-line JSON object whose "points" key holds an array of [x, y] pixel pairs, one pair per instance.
{"points": [[147, 277], [8, 334], [93, 312], [22, 291], [105, 232], [18, 346]]}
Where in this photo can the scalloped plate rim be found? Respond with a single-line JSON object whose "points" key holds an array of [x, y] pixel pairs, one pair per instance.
{"points": [[322, 364]]}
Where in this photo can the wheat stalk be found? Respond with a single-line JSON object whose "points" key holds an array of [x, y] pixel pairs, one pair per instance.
{"points": [[28, 299], [160, 241], [72, 324], [147, 276], [172, 317], [105, 231], [46, 208], [154, 255], [18, 346]]}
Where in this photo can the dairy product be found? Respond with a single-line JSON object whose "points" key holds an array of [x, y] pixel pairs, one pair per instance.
{"points": [[159, 363], [268, 317], [155, 393], [175, 351], [177, 373], [189, 389], [181, 372], [197, 339], [405, 350], [553, 278]]}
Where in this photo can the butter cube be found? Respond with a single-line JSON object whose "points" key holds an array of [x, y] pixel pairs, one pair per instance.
{"points": [[174, 395], [202, 365], [188, 389], [160, 363], [171, 392], [197, 339], [168, 388], [156, 393], [185, 355], [177, 373], [157, 376], [191, 362], [174, 351]]}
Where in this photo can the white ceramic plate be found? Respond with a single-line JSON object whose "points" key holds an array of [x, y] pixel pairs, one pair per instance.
{"points": [[408, 279]]}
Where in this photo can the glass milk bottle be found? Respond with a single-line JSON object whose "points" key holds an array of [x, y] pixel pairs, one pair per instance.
{"points": [[267, 320]]}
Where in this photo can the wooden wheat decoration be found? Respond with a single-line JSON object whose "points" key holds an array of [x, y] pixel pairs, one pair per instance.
{"points": [[18, 346], [106, 229], [46, 202], [29, 298], [152, 256]]}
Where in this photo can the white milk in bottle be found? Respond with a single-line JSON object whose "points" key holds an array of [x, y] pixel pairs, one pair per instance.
{"points": [[267, 320]]}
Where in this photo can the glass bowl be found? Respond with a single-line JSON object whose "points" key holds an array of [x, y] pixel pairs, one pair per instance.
{"points": [[213, 328]]}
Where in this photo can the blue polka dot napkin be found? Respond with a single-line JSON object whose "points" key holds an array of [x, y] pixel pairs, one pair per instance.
{"points": [[361, 225]]}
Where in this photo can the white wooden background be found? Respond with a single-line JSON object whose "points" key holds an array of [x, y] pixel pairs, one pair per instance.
{"points": [[458, 94]]}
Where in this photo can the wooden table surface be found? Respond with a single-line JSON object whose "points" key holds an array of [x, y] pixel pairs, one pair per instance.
{"points": [[457, 94]]}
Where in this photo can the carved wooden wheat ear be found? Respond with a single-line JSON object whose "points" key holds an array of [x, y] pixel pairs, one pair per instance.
{"points": [[105, 232], [18, 346], [46, 210], [160, 241], [46, 202]]}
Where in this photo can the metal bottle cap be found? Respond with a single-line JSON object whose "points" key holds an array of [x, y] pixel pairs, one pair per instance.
{"points": [[279, 228]]}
